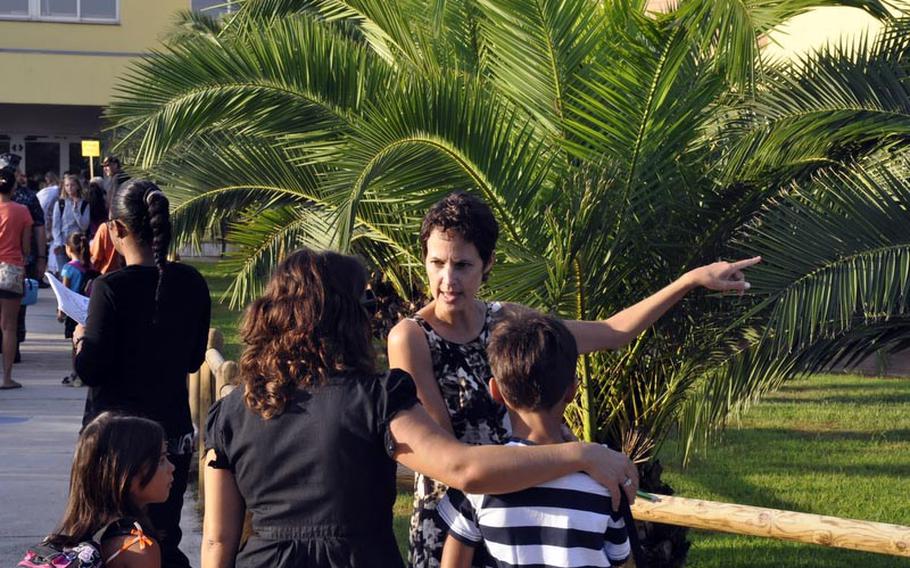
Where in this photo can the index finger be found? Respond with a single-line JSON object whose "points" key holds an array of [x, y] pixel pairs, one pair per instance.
{"points": [[745, 263]]}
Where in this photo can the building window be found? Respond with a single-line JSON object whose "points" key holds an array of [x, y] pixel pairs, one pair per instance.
{"points": [[61, 10], [14, 8], [214, 7]]}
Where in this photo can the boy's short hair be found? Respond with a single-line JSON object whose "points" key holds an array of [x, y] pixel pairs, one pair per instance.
{"points": [[533, 357]]}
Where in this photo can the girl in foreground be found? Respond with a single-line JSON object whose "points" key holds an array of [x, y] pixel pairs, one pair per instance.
{"points": [[309, 444], [120, 467]]}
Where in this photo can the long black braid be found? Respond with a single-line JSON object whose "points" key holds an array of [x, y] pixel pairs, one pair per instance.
{"points": [[145, 211]]}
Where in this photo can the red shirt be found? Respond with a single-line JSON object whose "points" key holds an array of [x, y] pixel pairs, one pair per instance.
{"points": [[14, 219]]}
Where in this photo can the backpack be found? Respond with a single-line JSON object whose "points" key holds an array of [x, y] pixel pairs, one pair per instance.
{"points": [[86, 554], [61, 203]]}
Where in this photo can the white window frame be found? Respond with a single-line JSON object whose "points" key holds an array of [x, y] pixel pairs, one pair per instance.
{"points": [[34, 15]]}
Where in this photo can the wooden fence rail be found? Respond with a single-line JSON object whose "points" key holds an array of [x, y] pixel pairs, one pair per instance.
{"points": [[216, 377], [835, 532]]}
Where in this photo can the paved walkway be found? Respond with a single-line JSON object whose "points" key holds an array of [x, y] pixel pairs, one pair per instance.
{"points": [[38, 430]]}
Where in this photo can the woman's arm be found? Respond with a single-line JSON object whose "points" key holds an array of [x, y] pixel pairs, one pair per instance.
{"points": [[408, 350], [424, 446], [222, 524], [620, 329], [96, 342], [26, 241], [59, 237]]}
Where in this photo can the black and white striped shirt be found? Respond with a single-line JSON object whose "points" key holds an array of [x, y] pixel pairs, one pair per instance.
{"points": [[568, 523]]}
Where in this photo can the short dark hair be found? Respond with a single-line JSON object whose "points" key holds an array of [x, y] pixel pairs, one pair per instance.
{"points": [[468, 216], [533, 357], [110, 160]]}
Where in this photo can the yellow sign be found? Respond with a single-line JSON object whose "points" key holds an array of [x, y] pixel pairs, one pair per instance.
{"points": [[91, 148]]}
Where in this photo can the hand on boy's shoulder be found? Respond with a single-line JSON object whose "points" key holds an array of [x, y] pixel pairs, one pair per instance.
{"points": [[136, 556]]}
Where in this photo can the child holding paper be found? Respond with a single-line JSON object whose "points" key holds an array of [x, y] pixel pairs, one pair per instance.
{"points": [[76, 274]]}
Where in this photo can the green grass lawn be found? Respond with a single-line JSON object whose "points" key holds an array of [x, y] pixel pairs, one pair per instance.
{"points": [[833, 445], [224, 319]]}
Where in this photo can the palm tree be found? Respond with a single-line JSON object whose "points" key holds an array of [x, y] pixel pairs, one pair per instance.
{"points": [[618, 149]]}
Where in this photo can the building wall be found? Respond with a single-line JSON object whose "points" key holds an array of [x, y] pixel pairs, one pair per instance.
{"points": [[814, 29], [78, 63]]}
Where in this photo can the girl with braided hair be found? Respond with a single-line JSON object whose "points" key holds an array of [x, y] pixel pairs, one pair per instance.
{"points": [[147, 328]]}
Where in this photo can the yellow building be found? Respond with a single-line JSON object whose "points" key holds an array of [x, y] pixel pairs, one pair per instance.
{"points": [[60, 61]]}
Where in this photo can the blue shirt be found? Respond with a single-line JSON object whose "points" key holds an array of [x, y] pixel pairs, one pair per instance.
{"points": [[75, 271]]}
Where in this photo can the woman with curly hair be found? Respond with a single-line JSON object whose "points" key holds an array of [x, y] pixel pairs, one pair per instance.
{"points": [[147, 327], [308, 445]]}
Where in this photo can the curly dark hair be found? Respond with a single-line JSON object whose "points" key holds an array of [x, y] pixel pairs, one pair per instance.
{"points": [[309, 325], [466, 215]]}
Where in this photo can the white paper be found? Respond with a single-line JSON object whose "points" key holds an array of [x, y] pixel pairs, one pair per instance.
{"points": [[72, 304]]}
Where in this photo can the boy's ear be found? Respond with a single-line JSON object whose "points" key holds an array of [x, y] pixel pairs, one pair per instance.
{"points": [[495, 393]]}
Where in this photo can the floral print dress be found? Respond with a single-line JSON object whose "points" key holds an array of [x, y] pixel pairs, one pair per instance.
{"points": [[463, 373]]}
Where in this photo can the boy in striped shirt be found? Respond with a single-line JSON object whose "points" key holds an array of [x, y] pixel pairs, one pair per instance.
{"points": [[568, 522]]}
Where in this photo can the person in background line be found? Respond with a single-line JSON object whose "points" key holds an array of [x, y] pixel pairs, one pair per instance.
{"points": [[114, 176], [147, 327], [36, 260], [97, 205], [47, 197], [75, 275], [71, 214], [15, 242], [120, 468]]}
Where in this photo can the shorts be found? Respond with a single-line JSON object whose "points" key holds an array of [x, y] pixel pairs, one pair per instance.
{"points": [[7, 295]]}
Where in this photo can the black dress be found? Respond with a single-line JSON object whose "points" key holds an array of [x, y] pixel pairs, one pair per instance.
{"points": [[463, 374], [318, 479]]}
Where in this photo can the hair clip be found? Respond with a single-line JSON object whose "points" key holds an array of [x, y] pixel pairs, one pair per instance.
{"points": [[148, 196]]}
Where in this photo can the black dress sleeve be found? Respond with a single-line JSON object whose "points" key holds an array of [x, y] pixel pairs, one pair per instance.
{"points": [[397, 393], [96, 358], [215, 436]]}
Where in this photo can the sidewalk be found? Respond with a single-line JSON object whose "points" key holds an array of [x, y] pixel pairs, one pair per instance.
{"points": [[38, 429]]}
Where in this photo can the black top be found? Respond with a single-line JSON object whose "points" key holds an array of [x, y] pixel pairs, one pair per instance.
{"points": [[135, 364], [318, 479]]}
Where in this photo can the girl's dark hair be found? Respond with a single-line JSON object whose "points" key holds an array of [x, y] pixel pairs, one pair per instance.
{"points": [[466, 215], [7, 181], [308, 325], [79, 243], [144, 209], [97, 204], [112, 451]]}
